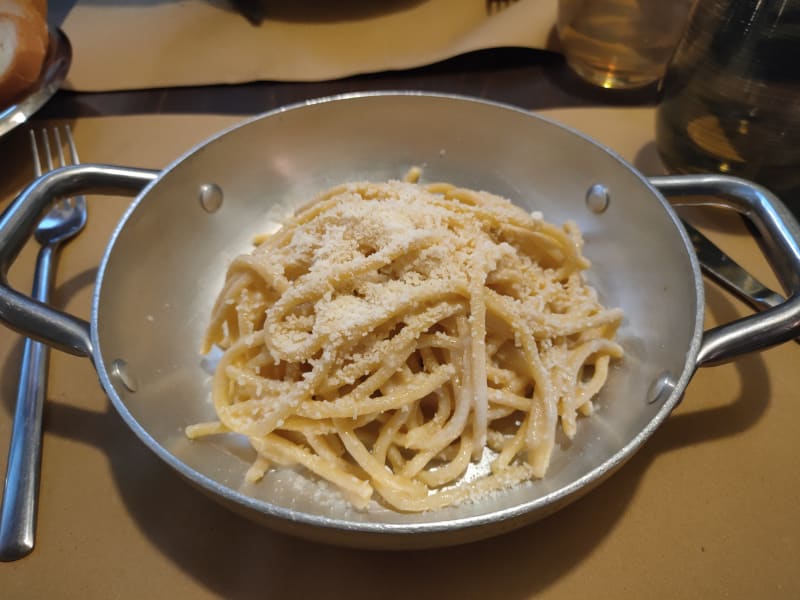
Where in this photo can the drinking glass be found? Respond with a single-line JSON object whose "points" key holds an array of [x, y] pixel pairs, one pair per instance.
{"points": [[620, 44]]}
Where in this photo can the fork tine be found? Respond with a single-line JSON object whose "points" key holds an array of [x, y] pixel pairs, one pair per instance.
{"points": [[59, 147], [80, 201], [73, 151], [37, 162], [61, 162], [47, 152]]}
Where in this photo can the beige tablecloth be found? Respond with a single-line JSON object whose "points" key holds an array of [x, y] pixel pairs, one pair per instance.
{"points": [[130, 45], [706, 509]]}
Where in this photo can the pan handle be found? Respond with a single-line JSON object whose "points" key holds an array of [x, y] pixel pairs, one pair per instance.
{"points": [[30, 317], [781, 234]]}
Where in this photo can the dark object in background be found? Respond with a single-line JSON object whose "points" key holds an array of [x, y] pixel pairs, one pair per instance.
{"points": [[252, 10], [730, 100], [325, 11]]}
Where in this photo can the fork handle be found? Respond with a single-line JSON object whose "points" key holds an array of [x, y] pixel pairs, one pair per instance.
{"points": [[21, 491]]}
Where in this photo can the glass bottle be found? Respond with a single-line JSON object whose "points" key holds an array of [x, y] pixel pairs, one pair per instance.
{"points": [[730, 100]]}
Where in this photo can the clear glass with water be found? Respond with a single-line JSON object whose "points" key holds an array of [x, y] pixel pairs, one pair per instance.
{"points": [[620, 44]]}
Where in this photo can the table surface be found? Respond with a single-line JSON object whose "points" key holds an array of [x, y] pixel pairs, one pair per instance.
{"points": [[675, 523], [531, 79]]}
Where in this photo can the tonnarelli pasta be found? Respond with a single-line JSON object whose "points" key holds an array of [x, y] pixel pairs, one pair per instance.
{"points": [[391, 334]]}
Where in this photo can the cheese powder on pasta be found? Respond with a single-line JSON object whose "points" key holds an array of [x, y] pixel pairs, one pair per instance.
{"points": [[391, 334]]}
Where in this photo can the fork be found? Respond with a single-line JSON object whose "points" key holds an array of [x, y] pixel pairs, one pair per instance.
{"points": [[20, 496]]}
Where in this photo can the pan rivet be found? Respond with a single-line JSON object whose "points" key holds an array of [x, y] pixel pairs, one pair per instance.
{"points": [[210, 197], [661, 388], [122, 373], [597, 198]]}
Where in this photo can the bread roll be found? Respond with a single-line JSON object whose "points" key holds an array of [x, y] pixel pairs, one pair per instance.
{"points": [[23, 46], [41, 6]]}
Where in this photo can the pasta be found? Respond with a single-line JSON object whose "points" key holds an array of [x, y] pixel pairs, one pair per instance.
{"points": [[390, 335]]}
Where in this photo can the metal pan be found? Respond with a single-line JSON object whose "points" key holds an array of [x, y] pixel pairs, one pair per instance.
{"points": [[167, 258]]}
